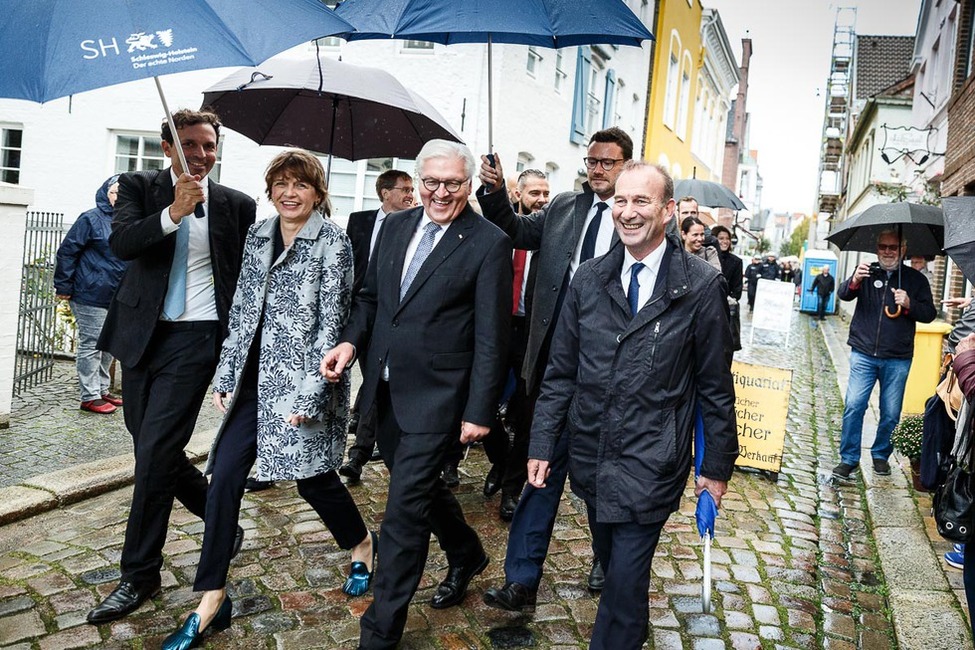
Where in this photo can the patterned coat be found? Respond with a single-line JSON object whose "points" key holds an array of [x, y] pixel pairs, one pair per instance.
{"points": [[305, 295]]}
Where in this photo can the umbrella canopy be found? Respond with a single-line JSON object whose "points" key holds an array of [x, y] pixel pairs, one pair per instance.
{"points": [[543, 23], [345, 110], [57, 48], [959, 214], [921, 225], [713, 195]]}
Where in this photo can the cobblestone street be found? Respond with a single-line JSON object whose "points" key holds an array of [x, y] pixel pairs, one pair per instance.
{"points": [[797, 563]]}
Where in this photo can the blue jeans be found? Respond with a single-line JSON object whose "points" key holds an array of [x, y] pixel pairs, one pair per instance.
{"points": [[865, 371], [533, 521], [92, 363]]}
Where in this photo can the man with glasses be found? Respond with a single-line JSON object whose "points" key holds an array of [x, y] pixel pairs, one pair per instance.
{"points": [[891, 297], [574, 228], [395, 190], [430, 325]]}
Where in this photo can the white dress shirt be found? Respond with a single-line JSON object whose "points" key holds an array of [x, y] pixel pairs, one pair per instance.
{"points": [[380, 218], [201, 302], [648, 274], [604, 237], [415, 242]]}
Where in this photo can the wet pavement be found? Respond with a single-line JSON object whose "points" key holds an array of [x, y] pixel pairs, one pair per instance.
{"points": [[797, 563]]}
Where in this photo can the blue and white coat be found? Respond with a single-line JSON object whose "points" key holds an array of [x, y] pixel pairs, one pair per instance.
{"points": [[305, 295]]}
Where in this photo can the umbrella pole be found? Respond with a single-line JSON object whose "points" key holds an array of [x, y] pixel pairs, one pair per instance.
{"points": [[177, 145], [490, 99], [331, 142]]}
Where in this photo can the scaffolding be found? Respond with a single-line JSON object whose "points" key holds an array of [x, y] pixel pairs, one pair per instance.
{"points": [[839, 94]]}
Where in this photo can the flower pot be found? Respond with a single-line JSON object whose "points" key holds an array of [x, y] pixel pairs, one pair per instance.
{"points": [[916, 475]]}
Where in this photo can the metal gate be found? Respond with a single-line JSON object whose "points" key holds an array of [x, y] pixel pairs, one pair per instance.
{"points": [[37, 322]]}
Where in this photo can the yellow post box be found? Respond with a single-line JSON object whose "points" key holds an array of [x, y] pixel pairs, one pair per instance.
{"points": [[925, 366]]}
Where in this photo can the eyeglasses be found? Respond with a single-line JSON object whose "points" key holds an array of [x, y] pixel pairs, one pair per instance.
{"points": [[606, 163], [433, 184], [888, 247], [406, 190]]}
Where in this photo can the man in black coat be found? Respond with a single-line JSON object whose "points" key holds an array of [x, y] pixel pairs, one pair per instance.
{"points": [[752, 275], [637, 351], [395, 190], [430, 325], [573, 228], [183, 236], [823, 285]]}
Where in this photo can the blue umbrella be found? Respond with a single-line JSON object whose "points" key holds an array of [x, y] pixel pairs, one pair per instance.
{"points": [[542, 23], [706, 511], [55, 48]]}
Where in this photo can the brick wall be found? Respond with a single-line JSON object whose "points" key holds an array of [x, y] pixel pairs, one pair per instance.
{"points": [[960, 154]]}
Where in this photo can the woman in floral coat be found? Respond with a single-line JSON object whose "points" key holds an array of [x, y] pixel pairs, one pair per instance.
{"points": [[292, 301]]}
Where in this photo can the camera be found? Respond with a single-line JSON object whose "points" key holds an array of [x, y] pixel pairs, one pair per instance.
{"points": [[876, 271]]}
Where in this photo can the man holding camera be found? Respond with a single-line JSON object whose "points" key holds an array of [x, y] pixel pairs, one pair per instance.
{"points": [[891, 298]]}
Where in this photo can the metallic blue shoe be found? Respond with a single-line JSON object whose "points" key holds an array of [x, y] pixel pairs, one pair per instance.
{"points": [[360, 577], [190, 636]]}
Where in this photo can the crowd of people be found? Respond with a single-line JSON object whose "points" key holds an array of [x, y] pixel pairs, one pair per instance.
{"points": [[562, 330]]}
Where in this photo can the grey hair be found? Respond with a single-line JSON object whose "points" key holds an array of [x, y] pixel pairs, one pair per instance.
{"points": [[446, 149], [896, 233], [660, 169]]}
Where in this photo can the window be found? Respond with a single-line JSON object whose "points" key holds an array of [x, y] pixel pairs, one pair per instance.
{"points": [[609, 100], [327, 43], [352, 185], [534, 58], [580, 96], [673, 80], [11, 142], [525, 160], [559, 72], [139, 152], [418, 46], [685, 96]]}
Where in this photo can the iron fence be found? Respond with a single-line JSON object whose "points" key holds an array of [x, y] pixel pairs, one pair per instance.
{"points": [[37, 323]]}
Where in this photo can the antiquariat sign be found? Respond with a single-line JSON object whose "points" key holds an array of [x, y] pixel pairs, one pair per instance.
{"points": [[761, 407]]}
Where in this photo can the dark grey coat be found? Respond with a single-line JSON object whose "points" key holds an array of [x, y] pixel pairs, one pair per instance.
{"points": [[624, 389]]}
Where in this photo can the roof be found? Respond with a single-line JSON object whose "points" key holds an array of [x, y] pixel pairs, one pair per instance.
{"points": [[881, 61]]}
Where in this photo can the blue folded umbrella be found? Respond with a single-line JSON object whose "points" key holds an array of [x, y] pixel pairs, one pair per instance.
{"points": [[706, 511]]}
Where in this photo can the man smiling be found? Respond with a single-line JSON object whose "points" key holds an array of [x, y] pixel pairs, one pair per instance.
{"points": [[639, 346]]}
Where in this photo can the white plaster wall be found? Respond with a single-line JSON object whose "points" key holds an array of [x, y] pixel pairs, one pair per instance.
{"points": [[14, 200]]}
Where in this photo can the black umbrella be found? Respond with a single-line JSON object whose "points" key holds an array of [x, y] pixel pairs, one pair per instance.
{"points": [[713, 195], [960, 232], [921, 225], [345, 110]]}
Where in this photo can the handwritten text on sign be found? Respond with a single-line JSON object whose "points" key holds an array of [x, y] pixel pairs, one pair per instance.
{"points": [[761, 407]]}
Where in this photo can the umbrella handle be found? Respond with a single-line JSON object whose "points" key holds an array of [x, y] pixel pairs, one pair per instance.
{"points": [[892, 314]]}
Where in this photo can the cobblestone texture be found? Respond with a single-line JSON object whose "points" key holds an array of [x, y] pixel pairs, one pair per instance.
{"points": [[794, 563]]}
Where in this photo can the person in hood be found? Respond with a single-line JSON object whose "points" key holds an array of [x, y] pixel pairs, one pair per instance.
{"points": [[86, 275]]}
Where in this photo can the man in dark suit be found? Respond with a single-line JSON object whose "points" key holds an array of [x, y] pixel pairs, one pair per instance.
{"points": [[573, 228], [431, 324], [183, 236], [395, 190]]}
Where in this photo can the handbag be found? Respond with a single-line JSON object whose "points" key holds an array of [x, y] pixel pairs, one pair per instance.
{"points": [[954, 512], [949, 390]]}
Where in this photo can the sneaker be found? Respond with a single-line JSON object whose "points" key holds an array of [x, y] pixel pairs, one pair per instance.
{"points": [[881, 467], [955, 560], [846, 472], [98, 406], [958, 548], [114, 400]]}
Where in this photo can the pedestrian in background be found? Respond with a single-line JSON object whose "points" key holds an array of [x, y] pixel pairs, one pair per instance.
{"points": [[822, 285], [693, 234], [891, 298], [731, 270], [291, 303], [752, 275], [86, 275]]}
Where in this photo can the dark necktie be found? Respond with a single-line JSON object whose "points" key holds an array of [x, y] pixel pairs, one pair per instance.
{"points": [[589, 241], [518, 266], [633, 294], [423, 250], [198, 211]]}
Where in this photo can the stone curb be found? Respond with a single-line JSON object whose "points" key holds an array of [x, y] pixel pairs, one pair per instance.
{"points": [[61, 488], [924, 609]]}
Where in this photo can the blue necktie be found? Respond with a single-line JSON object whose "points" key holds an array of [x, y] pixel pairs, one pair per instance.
{"points": [[633, 293], [589, 241], [175, 303], [422, 252]]}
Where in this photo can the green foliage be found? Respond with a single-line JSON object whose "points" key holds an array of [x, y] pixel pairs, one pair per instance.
{"points": [[794, 244], [907, 436], [763, 245]]}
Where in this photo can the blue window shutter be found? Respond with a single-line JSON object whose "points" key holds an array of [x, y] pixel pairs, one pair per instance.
{"points": [[609, 109], [580, 96]]}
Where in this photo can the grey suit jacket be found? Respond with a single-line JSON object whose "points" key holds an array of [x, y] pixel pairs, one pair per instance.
{"points": [[554, 231]]}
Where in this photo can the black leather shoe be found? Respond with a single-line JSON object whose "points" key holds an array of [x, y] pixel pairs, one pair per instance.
{"points": [[507, 508], [454, 587], [238, 541], [125, 599], [493, 481], [597, 578], [253, 485], [352, 470], [450, 476], [513, 597]]}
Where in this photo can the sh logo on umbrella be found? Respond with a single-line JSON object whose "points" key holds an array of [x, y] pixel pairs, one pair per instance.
{"points": [[144, 44]]}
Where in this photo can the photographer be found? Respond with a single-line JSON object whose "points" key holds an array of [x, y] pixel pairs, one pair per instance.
{"points": [[891, 298]]}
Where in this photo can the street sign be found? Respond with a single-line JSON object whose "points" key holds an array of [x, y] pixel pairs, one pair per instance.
{"points": [[761, 408]]}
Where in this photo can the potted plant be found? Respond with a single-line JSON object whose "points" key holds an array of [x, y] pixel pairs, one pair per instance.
{"points": [[906, 438]]}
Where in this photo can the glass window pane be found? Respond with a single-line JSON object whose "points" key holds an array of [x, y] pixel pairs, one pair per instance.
{"points": [[342, 184], [127, 145], [152, 148], [342, 206], [12, 138], [11, 176]]}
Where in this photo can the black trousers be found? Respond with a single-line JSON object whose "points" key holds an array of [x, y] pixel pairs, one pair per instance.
{"points": [[162, 396], [418, 503], [625, 551], [233, 458], [365, 434], [821, 307], [521, 406]]}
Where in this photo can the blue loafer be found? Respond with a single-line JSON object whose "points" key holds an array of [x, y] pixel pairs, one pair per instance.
{"points": [[360, 577], [190, 635]]}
